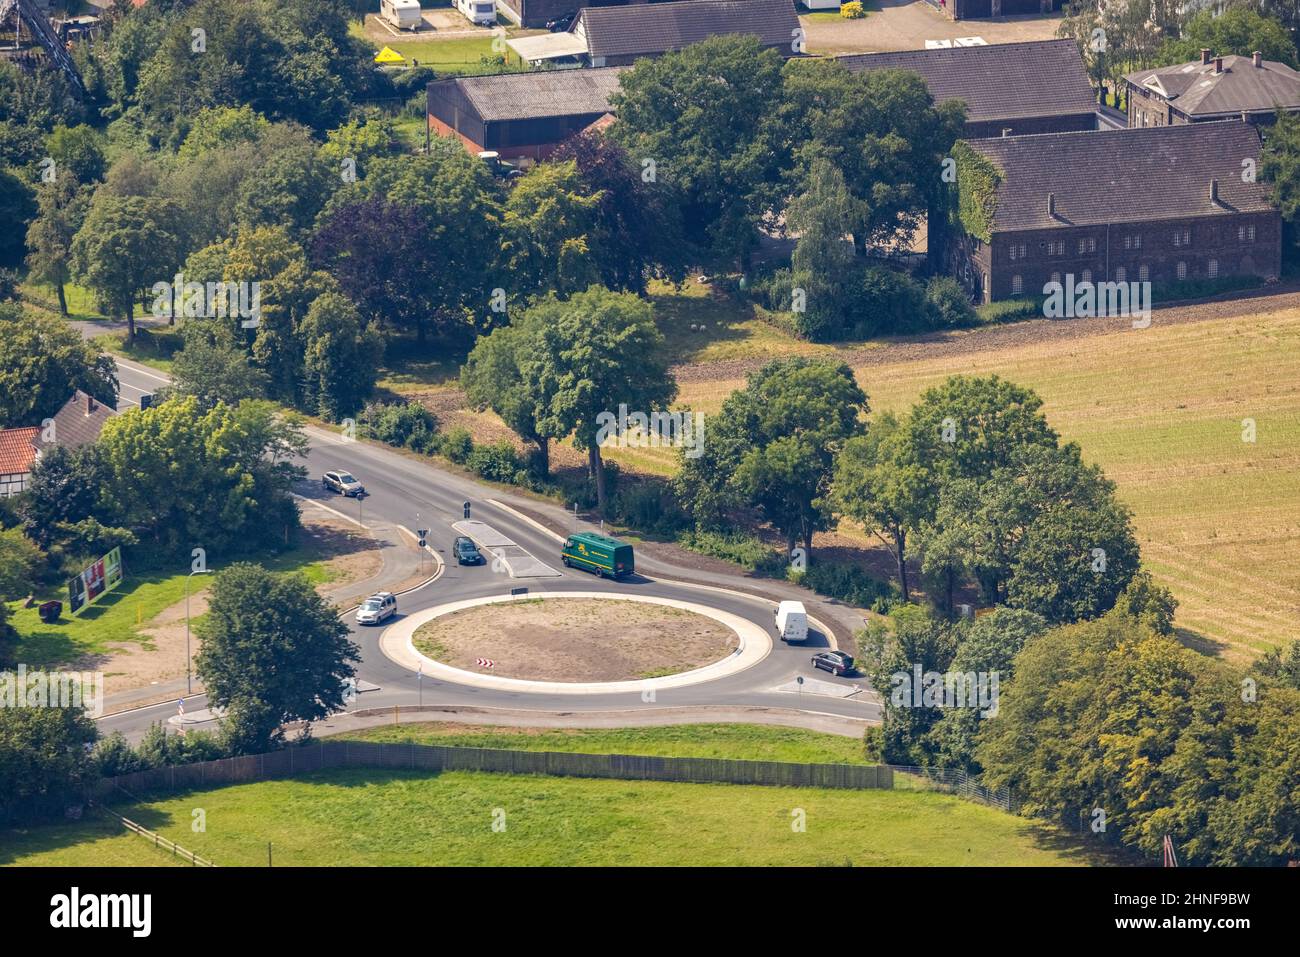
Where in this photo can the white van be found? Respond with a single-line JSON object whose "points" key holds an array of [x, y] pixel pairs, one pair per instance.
{"points": [[791, 621], [481, 12], [403, 14]]}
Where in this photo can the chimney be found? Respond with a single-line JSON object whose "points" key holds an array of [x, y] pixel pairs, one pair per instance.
{"points": [[1214, 192], [1006, 131], [1258, 59], [1205, 56], [1218, 64], [1051, 205], [90, 405]]}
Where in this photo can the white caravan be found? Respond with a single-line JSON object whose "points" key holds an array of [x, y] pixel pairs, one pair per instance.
{"points": [[403, 14], [481, 12]]}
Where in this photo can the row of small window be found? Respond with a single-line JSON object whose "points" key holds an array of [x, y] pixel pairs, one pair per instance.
{"points": [[1181, 237], [1121, 275]]}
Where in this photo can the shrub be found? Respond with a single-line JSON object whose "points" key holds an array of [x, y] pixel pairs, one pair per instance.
{"points": [[948, 304], [745, 550], [403, 424], [457, 445], [852, 10], [1009, 310], [498, 462], [849, 583], [647, 505]]}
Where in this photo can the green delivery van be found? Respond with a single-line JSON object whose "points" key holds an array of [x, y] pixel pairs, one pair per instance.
{"points": [[598, 553]]}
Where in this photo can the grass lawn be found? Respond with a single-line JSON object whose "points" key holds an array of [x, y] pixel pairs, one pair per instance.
{"points": [[1162, 410], [744, 742], [94, 841], [398, 817], [118, 616]]}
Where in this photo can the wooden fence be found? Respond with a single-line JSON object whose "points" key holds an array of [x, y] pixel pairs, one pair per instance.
{"points": [[157, 840], [321, 755]]}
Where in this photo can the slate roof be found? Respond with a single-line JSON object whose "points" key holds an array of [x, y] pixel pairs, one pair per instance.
{"points": [[74, 426], [17, 450], [651, 28], [1195, 89], [1117, 176], [998, 81], [543, 93]]}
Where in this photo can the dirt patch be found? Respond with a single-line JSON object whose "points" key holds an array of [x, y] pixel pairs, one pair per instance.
{"points": [[576, 639]]}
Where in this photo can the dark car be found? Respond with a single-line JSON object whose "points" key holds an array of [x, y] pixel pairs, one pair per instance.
{"points": [[836, 662], [467, 552]]}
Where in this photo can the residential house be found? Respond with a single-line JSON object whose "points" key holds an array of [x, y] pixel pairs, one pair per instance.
{"points": [[1167, 204], [1010, 89], [78, 423], [520, 114], [1215, 88]]}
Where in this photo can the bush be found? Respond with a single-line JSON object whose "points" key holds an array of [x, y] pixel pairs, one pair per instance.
{"points": [[403, 424], [498, 462], [852, 10], [745, 550], [948, 304], [457, 445], [647, 505], [850, 583], [1009, 310]]}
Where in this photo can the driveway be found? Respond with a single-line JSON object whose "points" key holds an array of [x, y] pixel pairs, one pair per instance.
{"points": [[904, 25]]}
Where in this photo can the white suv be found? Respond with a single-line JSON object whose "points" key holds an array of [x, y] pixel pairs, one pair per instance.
{"points": [[376, 608]]}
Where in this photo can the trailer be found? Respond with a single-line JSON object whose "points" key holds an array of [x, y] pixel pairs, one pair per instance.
{"points": [[403, 14]]}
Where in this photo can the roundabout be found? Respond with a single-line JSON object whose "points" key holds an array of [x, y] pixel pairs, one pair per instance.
{"points": [[698, 632]]}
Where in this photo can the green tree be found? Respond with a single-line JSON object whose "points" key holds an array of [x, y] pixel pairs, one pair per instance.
{"points": [[546, 229], [123, 248], [880, 484], [704, 117], [273, 652], [16, 208], [44, 760], [492, 379], [77, 151], [20, 561], [342, 356], [1237, 30], [597, 351], [772, 447], [42, 362], [1279, 164], [61, 208], [214, 369]]}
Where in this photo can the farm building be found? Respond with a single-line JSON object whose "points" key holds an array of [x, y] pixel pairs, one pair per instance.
{"points": [[1215, 88], [1010, 89], [981, 9], [520, 114], [1166, 205], [616, 36]]}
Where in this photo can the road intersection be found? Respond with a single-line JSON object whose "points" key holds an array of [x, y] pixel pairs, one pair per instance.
{"points": [[413, 492]]}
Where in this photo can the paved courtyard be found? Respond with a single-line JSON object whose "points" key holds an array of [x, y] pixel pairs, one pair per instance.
{"points": [[907, 24]]}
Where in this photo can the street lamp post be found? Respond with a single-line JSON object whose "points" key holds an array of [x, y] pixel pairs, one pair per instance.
{"points": [[198, 571]]}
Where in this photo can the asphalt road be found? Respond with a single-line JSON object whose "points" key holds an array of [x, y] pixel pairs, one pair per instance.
{"points": [[416, 493]]}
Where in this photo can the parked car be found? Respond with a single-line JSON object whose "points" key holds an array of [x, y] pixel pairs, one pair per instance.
{"points": [[791, 621], [343, 483], [836, 662], [601, 554], [376, 608], [467, 552]]}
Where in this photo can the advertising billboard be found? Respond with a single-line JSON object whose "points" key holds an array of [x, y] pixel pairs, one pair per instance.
{"points": [[96, 580]]}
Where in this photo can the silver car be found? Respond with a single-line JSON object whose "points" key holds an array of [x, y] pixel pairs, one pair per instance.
{"points": [[376, 608], [343, 483]]}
